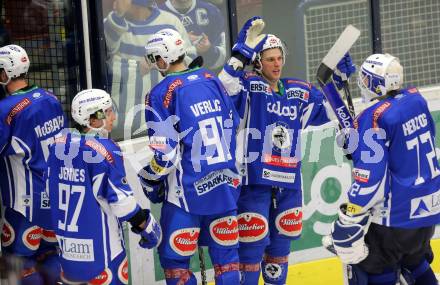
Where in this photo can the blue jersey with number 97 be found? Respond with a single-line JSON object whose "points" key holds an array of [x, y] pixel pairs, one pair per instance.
{"points": [[89, 197]]}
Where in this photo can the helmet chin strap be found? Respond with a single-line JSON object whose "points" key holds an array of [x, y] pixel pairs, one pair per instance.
{"points": [[163, 71], [6, 83], [101, 131]]}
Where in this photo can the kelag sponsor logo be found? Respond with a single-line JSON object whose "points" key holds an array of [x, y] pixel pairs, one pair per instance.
{"points": [[282, 111], [215, 179]]}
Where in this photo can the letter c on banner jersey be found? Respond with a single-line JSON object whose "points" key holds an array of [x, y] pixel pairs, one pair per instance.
{"points": [[289, 222], [224, 231], [123, 271], [252, 227], [8, 234], [105, 278], [184, 241], [32, 237]]}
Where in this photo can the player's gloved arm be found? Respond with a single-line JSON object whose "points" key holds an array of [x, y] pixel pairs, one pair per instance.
{"points": [[343, 71], [315, 112], [164, 136], [153, 189], [250, 41], [145, 225], [347, 238]]}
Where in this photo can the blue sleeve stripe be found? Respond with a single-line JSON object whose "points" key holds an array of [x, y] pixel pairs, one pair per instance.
{"points": [[118, 20], [130, 49], [113, 35]]}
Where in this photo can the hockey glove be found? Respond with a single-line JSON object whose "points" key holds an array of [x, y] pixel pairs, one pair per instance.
{"points": [[342, 140], [347, 237], [250, 41], [344, 70], [153, 189], [151, 236]]}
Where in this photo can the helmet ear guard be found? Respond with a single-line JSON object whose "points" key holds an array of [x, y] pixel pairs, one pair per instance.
{"points": [[271, 42]]}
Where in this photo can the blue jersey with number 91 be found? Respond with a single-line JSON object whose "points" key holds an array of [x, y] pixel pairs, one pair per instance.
{"points": [[192, 127]]}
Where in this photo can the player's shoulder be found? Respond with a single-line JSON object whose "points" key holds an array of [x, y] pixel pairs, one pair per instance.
{"points": [[252, 75], [296, 82], [199, 73], [105, 147], [373, 115]]}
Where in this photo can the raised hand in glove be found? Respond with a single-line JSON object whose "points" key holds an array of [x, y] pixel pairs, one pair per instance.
{"points": [[151, 235], [250, 41], [344, 70], [347, 237]]}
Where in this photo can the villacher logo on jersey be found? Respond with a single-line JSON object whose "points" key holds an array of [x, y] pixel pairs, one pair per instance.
{"points": [[184, 241], [224, 230]]}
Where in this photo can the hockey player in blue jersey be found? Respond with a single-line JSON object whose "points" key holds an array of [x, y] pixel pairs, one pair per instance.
{"points": [[127, 29], [393, 204], [90, 197], [273, 112], [191, 125], [30, 117], [205, 26]]}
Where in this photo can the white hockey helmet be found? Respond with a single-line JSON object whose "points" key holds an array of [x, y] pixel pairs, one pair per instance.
{"points": [[379, 74], [14, 60], [271, 42], [168, 44], [89, 102]]}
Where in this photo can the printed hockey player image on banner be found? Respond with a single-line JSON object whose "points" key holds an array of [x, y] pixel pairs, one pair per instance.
{"points": [[205, 26], [127, 29]]}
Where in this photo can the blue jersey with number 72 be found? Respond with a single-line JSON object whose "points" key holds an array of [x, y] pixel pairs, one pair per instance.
{"points": [[396, 168]]}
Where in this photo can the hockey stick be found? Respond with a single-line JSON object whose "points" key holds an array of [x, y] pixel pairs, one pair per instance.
{"points": [[344, 115], [349, 99], [202, 266], [325, 71]]}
